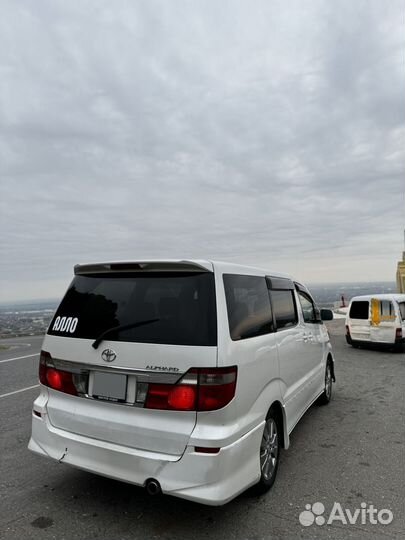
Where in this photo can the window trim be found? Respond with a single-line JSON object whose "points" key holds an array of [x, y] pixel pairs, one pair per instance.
{"points": [[275, 283]]}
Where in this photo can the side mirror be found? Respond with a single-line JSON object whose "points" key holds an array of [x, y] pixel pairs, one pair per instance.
{"points": [[326, 315]]}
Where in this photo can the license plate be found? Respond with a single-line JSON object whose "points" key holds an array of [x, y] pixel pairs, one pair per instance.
{"points": [[110, 386]]}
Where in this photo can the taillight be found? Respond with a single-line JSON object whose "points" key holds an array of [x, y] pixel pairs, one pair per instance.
{"points": [[347, 330], [216, 388], [55, 378], [398, 333], [200, 389], [169, 396], [182, 397]]}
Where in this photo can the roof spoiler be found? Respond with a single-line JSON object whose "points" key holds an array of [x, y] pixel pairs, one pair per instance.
{"points": [[143, 266]]}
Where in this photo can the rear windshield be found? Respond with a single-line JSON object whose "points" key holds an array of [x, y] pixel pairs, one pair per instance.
{"points": [[359, 310], [180, 308]]}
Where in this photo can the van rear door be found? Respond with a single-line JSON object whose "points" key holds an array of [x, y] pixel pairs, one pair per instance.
{"points": [[359, 320], [152, 327]]}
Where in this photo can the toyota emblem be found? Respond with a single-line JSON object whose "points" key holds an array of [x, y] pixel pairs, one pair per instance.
{"points": [[108, 355]]}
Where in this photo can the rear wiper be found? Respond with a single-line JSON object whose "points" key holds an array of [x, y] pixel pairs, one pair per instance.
{"points": [[100, 338]]}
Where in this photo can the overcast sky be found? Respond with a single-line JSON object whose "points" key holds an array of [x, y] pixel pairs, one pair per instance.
{"points": [[263, 132]]}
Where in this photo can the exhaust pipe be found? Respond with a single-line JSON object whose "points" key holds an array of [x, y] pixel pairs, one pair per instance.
{"points": [[152, 487]]}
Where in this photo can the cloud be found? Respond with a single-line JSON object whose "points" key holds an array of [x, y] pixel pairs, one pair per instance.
{"points": [[270, 133]]}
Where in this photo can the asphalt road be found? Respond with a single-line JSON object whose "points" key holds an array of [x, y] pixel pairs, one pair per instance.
{"points": [[349, 452]]}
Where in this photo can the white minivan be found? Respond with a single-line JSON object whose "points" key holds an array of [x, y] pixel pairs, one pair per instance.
{"points": [[185, 377], [377, 319]]}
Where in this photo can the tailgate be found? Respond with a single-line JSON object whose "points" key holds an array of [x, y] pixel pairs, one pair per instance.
{"points": [[108, 409]]}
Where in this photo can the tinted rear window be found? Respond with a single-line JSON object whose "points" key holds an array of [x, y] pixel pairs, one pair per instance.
{"points": [[359, 310], [284, 308], [183, 304], [248, 304]]}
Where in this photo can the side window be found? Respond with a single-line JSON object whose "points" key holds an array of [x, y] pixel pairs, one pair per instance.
{"points": [[248, 305], [308, 308], [284, 307], [402, 310], [387, 310], [359, 310]]}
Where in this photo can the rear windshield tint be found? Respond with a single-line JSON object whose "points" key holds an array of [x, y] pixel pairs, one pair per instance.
{"points": [[181, 307], [359, 310]]}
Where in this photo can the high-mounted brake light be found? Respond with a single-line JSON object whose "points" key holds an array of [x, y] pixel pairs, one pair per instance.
{"points": [[200, 389]]}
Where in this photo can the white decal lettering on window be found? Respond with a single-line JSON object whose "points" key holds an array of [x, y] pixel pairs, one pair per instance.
{"points": [[65, 324]]}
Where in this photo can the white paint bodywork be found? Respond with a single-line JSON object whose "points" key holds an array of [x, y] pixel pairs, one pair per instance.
{"points": [[135, 444], [363, 330]]}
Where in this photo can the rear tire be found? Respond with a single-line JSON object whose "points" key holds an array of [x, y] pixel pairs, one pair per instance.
{"points": [[269, 453], [399, 347], [326, 395]]}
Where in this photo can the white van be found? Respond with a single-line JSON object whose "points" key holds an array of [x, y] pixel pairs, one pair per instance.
{"points": [[185, 377], [377, 319]]}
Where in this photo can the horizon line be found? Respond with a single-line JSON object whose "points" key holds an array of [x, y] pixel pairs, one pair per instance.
{"points": [[309, 285]]}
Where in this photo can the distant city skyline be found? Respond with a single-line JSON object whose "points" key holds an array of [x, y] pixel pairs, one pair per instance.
{"points": [[321, 291], [266, 133]]}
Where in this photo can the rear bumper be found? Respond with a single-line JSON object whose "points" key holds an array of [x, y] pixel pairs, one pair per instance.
{"points": [[212, 479], [398, 343]]}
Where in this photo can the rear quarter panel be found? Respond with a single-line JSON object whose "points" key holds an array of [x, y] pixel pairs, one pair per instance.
{"points": [[258, 384]]}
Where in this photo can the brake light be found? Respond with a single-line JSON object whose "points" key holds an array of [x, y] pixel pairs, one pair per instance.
{"points": [[347, 330], [55, 378], [200, 389], [169, 396], [398, 333], [182, 397]]}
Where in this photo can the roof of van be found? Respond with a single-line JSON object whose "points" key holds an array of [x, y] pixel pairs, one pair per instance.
{"points": [[398, 297], [171, 264]]}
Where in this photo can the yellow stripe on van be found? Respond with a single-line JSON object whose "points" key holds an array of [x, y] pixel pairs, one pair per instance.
{"points": [[375, 312]]}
